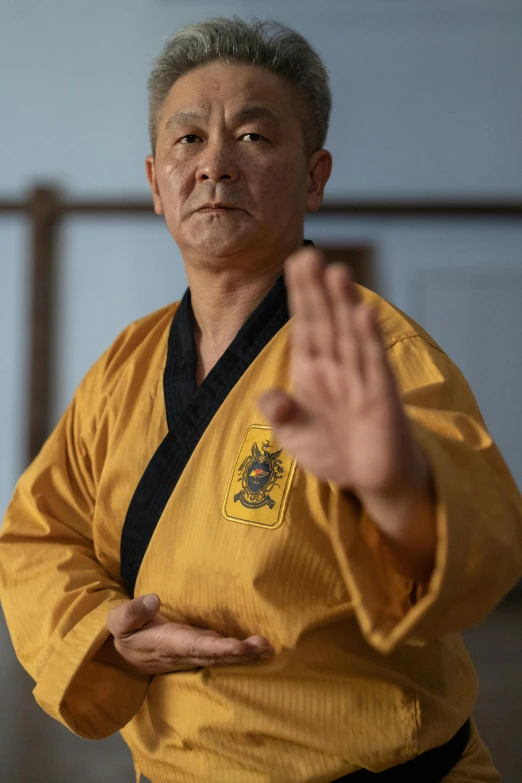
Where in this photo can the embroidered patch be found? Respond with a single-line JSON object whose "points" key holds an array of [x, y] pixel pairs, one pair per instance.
{"points": [[258, 488]]}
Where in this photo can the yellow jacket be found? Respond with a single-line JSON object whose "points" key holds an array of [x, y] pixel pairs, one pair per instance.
{"points": [[369, 669]]}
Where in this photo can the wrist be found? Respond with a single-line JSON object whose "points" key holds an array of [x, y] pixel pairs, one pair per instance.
{"points": [[108, 653], [405, 517]]}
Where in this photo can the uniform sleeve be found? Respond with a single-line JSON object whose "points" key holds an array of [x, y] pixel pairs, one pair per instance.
{"points": [[478, 516], [54, 591]]}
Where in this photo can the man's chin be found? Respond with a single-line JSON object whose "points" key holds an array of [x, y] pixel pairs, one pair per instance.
{"points": [[220, 252], [221, 247]]}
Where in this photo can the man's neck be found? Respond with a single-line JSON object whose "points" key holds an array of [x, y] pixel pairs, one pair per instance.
{"points": [[225, 292], [221, 305], [223, 297]]}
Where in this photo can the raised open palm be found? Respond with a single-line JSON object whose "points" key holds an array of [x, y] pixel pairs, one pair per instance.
{"points": [[344, 421]]}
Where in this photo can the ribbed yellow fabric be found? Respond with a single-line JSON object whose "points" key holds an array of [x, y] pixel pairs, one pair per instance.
{"points": [[369, 669]]}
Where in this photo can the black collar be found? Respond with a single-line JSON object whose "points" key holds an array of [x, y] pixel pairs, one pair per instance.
{"points": [[179, 381]]}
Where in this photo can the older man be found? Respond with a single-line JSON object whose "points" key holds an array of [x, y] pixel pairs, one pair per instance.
{"points": [[250, 542]]}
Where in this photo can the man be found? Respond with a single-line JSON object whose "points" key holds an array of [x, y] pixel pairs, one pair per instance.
{"points": [[251, 542]]}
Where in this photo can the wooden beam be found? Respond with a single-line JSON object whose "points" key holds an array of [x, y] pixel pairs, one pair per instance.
{"points": [[422, 208], [44, 210], [6, 205], [383, 208]]}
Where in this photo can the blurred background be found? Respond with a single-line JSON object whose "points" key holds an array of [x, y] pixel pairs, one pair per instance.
{"points": [[425, 201]]}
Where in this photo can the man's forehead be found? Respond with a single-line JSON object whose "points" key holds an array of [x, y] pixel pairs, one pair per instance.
{"points": [[201, 111]]}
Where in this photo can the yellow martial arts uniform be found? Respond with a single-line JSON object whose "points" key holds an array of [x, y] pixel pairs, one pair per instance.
{"points": [[151, 485]]}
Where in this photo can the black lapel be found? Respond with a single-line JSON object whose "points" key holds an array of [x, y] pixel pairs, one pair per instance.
{"points": [[179, 380], [189, 412]]}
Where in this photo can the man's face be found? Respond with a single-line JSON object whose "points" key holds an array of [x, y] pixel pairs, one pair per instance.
{"points": [[231, 135]]}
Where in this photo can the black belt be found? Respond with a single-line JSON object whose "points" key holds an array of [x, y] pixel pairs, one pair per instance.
{"points": [[430, 767]]}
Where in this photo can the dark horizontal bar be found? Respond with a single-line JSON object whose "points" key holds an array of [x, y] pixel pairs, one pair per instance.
{"points": [[12, 206], [366, 208], [89, 207], [423, 208]]}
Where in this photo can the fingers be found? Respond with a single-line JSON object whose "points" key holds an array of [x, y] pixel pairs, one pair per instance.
{"points": [[194, 647], [344, 307], [322, 300], [330, 321], [313, 329], [134, 614], [378, 373], [195, 643], [278, 407]]}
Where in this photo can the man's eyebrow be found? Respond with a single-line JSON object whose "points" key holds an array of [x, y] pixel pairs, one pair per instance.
{"points": [[183, 117], [247, 114]]}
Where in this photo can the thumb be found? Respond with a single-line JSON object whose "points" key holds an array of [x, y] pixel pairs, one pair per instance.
{"points": [[278, 407], [134, 614]]}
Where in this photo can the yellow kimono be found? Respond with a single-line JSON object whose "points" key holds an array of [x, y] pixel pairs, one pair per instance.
{"points": [[151, 485]]}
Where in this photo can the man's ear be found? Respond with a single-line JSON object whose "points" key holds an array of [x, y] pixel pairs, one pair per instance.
{"points": [[151, 176], [319, 170]]}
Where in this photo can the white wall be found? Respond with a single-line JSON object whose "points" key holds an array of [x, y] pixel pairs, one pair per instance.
{"points": [[426, 103]]}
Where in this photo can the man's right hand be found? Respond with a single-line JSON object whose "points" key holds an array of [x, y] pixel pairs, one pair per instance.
{"points": [[144, 642]]}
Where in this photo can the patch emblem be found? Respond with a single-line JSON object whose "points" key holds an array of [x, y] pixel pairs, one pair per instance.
{"points": [[258, 488]]}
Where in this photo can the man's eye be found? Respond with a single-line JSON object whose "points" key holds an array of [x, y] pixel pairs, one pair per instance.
{"points": [[189, 139], [253, 136]]}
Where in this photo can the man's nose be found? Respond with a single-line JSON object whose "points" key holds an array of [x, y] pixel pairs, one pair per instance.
{"points": [[217, 164]]}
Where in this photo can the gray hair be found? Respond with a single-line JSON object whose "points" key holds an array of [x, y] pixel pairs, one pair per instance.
{"points": [[266, 43]]}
